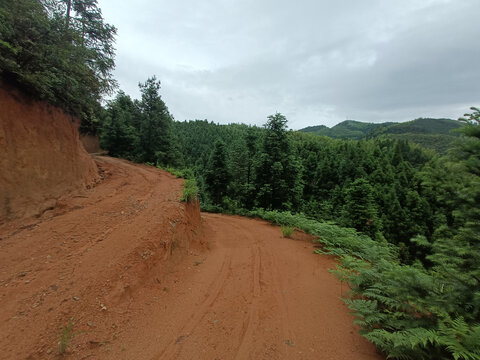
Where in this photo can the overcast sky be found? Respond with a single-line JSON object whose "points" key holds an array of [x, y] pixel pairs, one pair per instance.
{"points": [[315, 61]]}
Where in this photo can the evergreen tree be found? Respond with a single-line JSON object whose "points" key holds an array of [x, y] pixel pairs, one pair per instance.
{"points": [[240, 166], [278, 173], [118, 132], [360, 210], [155, 133], [457, 258], [217, 176]]}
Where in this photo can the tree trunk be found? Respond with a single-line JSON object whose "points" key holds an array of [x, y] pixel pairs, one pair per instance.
{"points": [[69, 7]]}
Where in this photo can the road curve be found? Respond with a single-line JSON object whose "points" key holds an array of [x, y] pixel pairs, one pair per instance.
{"points": [[252, 295], [140, 276]]}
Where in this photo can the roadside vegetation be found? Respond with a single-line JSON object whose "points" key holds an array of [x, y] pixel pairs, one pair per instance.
{"points": [[287, 231]]}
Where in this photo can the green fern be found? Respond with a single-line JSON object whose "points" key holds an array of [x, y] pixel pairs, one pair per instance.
{"points": [[460, 339], [402, 309], [414, 343]]}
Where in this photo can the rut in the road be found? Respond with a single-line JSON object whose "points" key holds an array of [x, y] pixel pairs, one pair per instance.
{"points": [[256, 295]]}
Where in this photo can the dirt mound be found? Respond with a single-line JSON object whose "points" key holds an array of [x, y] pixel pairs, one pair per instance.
{"points": [[41, 157], [139, 275], [90, 259]]}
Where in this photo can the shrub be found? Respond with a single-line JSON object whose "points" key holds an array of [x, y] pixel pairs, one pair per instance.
{"points": [[287, 231], [190, 191]]}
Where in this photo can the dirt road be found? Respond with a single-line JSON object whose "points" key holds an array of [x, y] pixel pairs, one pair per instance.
{"points": [[139, 275]]}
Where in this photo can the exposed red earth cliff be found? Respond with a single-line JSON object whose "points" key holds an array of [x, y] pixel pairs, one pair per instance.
{"points": [[41, 157]]}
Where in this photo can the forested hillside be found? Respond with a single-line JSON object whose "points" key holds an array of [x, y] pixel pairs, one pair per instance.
{"points": [[435, 134], [348, 129]]}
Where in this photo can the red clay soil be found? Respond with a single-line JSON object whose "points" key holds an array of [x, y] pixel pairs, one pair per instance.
{"points": [[41, 156], [90, 143], [139, 275]]}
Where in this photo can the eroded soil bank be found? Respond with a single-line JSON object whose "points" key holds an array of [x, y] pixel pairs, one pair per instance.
{"points": [[41, 157]]}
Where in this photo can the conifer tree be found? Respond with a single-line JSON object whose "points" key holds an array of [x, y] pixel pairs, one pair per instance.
{"points": [[360, 210], [278, 172], [457, 259], [118, 133], [217, 175], [155, 133]]}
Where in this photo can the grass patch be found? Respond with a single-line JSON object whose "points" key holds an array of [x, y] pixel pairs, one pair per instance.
{"points": [[287, 231], [190, 191], [66, 335], [179, 173], [190, 188]]}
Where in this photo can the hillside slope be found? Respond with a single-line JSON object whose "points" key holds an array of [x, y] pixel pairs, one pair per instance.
{"points": [[140, 275], [348, 129], [425, 126], [435, 134]]}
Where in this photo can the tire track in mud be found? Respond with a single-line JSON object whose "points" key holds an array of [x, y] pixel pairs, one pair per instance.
{"points": [[279, 320], [288, 337], [173, 349], [251, 319]]}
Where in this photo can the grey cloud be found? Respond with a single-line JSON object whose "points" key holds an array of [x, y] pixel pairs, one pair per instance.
{"points": [[317, 62]]}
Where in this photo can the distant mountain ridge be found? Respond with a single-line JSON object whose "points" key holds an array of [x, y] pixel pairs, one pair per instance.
{"points": [[431, 133], [348, 129]]}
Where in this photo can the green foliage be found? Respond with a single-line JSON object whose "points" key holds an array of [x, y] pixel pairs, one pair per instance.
{"points": [[287, 231], [425, 126], [278, 171], [190, 188], [416, 311], [359, 209], [435, 134], [348, 129], [311, 174], [396, 305], [155, 120], [69, 66], [140, 130], [119, 134], [190, 191], [438, 142], [217, 174], [66, 335], [460, 339], [179, 173]]}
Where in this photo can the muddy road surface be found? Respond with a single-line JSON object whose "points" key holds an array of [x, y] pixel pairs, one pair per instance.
{"points": [[126, 271]]}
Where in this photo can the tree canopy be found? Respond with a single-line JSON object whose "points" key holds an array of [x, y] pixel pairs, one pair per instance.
{"points": [[64, 59]]}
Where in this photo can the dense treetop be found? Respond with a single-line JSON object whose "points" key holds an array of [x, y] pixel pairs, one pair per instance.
{"points": [[60, 51]]}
